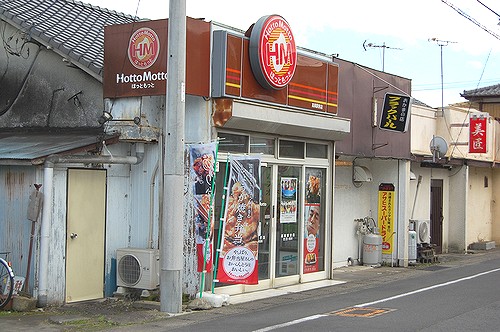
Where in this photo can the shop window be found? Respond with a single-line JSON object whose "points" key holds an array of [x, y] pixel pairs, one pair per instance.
{"points": [[233, 143], [314, 150], [291, 149], [262, 145]]}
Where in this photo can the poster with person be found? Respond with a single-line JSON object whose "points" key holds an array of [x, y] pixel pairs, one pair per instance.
{"points": [[238, 259], [202, 171], [288, 200], [312, 221]]}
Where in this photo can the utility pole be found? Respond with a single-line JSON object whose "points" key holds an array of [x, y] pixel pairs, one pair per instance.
{"points": [[383, 47], [172, 239], [441, 43]]}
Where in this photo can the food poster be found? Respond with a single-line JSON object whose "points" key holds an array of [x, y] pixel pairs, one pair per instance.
{"points": [[202, 169], [288, 201], [312, 222], [238, 261]]}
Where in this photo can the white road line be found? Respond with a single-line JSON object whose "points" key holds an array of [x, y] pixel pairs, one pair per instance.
{"points": [[305, 319], [293, 322], [426, 289]]}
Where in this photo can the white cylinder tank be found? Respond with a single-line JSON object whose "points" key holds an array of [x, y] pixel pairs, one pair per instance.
{"points": [[372, 249], [412, 247]]}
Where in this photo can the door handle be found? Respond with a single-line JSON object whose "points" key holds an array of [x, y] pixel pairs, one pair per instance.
{"points": [[73, 235]]}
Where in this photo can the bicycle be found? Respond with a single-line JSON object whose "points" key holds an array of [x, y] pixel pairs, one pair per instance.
{"points": [[6, 280]]}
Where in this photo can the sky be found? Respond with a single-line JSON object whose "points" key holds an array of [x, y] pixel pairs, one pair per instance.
{"points": [[397, 35]]}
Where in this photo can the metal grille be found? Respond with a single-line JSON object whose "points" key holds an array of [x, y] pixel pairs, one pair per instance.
{"points": [[129, 269]]}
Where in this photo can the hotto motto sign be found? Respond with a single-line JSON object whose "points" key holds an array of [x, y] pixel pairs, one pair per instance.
{"points": [[273, 53], [143, 48]]}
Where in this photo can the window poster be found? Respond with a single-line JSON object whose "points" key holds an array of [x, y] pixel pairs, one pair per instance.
{"points": [[238, 259], [312, 222], [288, 201]]}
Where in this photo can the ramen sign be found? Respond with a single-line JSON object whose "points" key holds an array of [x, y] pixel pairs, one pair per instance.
{"points": [[143, 48], [273, 54]]}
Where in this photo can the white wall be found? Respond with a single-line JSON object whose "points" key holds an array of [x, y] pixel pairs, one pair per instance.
{"points": [[351, 202]]}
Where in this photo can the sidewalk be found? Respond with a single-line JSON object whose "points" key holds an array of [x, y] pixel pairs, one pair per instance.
{"points": [[123, 315]]}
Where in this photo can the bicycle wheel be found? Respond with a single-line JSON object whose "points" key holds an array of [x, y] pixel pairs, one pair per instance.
{"points": [[6, 283]]}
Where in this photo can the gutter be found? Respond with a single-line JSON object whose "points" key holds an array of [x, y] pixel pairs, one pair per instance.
{"points": [[48, 178]]}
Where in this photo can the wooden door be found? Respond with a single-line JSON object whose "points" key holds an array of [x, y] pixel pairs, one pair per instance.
{"points": [[437, 214]]}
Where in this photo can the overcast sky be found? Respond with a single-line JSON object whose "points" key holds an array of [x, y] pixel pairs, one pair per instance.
{"points": [[471, 58]]}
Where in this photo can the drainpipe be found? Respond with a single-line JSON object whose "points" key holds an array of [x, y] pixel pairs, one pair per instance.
{"points": [[48, 178]]}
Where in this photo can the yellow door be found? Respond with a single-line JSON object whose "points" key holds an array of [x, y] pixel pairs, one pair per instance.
{"points": [[86, 212]]}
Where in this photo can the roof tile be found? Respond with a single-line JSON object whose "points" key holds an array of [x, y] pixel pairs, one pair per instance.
{"points": [[73, 27]]}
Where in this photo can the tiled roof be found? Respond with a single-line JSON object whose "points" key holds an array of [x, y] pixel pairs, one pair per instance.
{"points": [[488, 91], [74, 28]]}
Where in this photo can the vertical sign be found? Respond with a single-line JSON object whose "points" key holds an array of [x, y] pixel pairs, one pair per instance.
{"points": [[202, 157], [395, 113], [386, 216], [238, 259], [477, 132]]}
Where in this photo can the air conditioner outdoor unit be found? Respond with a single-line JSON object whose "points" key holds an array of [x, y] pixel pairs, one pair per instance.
{"points": [[423, 230], [138, 268]]}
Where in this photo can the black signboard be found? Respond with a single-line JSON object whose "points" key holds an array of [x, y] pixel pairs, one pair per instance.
{"points": [[395, 113]]}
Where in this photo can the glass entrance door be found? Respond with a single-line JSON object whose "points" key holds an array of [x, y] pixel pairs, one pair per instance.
{"points": [[288, 221]]}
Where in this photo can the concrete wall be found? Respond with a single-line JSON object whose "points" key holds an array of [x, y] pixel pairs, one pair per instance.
{"points": [[480, 211]]}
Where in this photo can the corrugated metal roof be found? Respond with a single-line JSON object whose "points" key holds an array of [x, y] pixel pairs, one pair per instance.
{"points": [[74, 28], [29, 147]]}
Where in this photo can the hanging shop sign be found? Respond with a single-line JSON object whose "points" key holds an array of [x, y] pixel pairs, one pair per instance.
{"points": [[273, 54], [477, 132], [386, 216], [135, 58], [238, 260], [202, 170], [395, 113], [312, 224]]}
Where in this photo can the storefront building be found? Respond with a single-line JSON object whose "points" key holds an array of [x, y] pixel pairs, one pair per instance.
{"points": [[286, 116]]}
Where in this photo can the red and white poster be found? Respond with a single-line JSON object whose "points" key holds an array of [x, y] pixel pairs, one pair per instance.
{"points": [[202, 170], [238, 259], [477, 132], [312, 223]]}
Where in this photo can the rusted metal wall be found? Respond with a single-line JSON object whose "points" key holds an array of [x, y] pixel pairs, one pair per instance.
{"points": [[17, 182], [357, 87]]}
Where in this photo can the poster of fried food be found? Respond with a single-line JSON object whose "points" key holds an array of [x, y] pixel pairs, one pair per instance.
{"points": [[202, 170], [238, 259]]}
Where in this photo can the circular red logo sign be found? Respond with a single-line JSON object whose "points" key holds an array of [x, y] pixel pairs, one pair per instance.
{"points": [[273, 53], [143, 48]]}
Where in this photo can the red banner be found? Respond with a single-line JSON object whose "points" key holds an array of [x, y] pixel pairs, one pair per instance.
{"points": [[238, 259], [477, 133]]}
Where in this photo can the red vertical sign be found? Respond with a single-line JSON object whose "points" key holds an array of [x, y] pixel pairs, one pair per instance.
{"points": [[477, 133]]}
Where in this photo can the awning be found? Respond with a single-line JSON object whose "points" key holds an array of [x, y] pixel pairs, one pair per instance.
{"points": [[28, 147], [276, 120]]}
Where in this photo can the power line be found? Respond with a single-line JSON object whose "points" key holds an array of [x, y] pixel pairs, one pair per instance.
{"points": [[461, 12]]}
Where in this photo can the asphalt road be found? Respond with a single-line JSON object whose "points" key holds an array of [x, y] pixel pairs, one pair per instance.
{"points": [[462, 298]]}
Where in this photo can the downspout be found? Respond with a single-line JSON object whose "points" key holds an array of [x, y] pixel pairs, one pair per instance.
{"points": [[48, 178]]}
